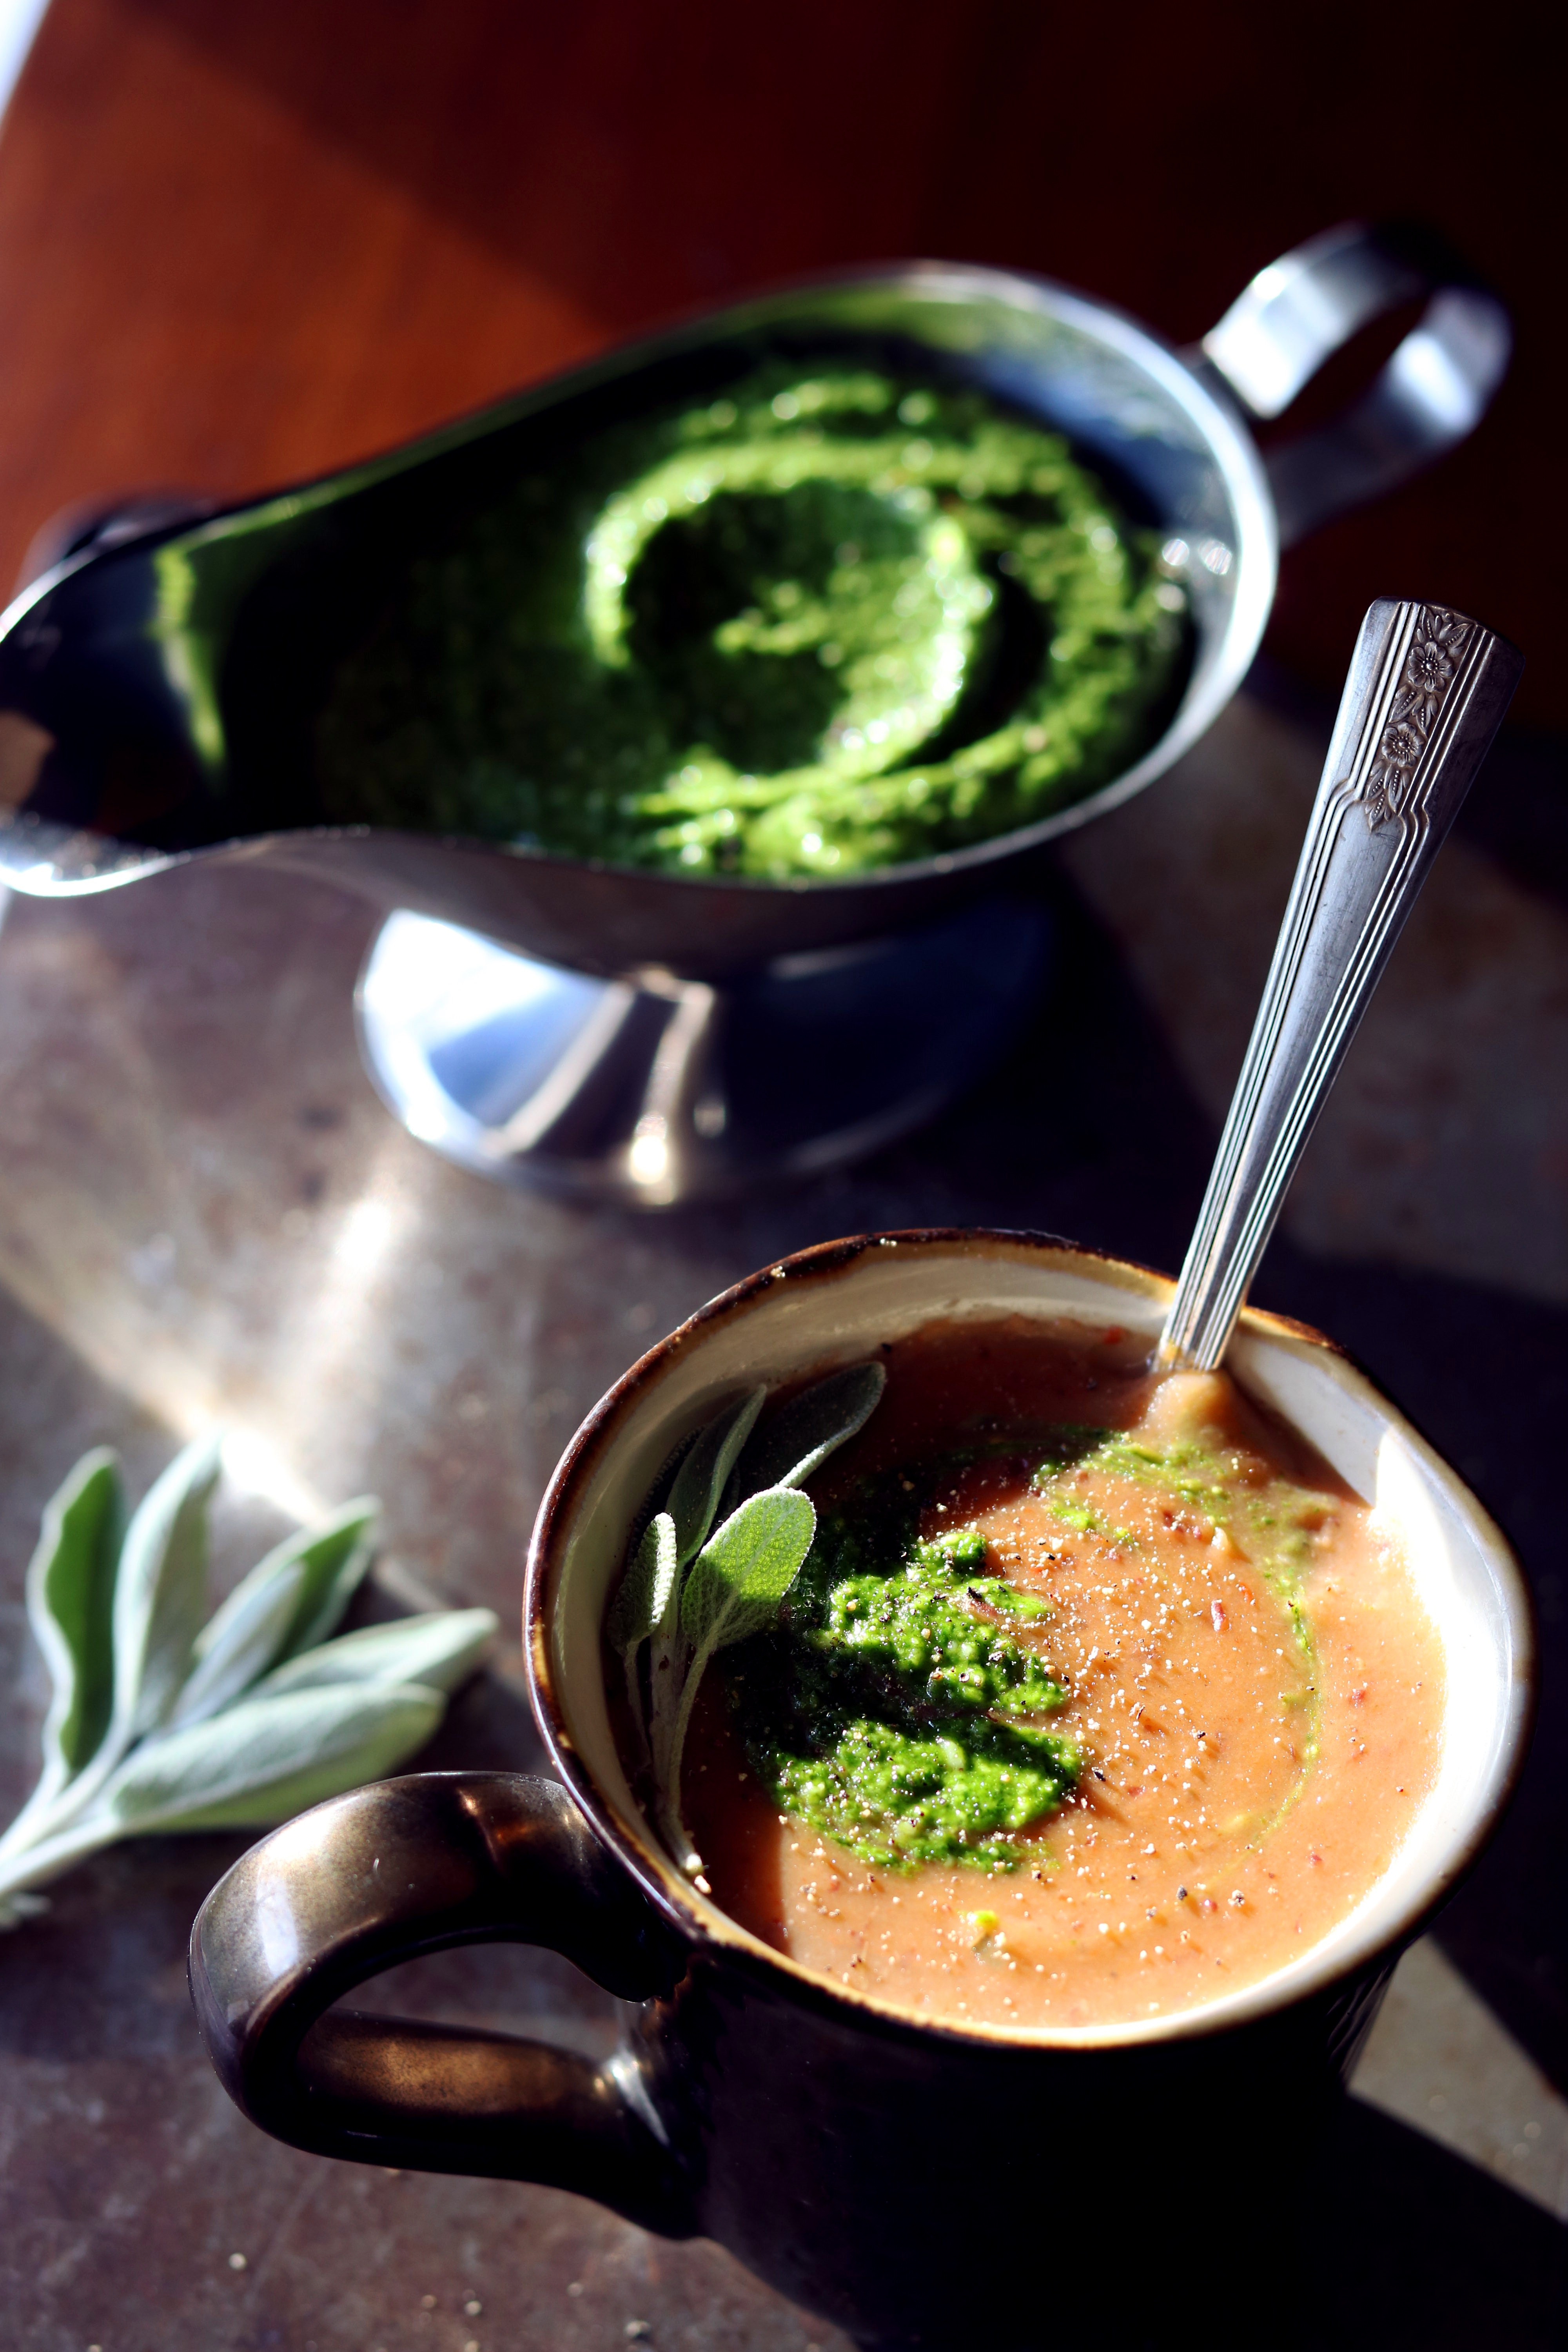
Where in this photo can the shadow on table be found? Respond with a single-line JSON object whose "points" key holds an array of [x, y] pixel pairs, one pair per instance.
{"points": [[1410, 2246]]}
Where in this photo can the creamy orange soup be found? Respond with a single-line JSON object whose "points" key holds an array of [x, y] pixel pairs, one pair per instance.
{"points": [[1246, 1775]]}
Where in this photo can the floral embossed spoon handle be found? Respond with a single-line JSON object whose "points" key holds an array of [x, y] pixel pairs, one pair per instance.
{"points": [[1426, 692]]}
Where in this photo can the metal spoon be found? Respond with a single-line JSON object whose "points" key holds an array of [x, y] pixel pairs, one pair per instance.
{"points": [[1426, 692]]}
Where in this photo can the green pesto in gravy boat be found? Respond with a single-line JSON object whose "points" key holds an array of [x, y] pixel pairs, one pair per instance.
{"points": [[831, 620]]}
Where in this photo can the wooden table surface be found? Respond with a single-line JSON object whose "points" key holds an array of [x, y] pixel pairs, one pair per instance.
{"points": [[243, 241]]}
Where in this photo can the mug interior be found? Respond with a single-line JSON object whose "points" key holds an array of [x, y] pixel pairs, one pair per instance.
{"points": [[836, 1304]]}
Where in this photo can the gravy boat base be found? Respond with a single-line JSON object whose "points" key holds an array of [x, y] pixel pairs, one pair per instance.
{"points": [[653, 1091]]}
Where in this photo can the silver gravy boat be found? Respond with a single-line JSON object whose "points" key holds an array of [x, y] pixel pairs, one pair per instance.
{"points": [[644, 1036]]}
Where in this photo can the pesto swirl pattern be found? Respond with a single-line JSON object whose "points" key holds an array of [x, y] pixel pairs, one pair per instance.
{"points": [[827, 623]]}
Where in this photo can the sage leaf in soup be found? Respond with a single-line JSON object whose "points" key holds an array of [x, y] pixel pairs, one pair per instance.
{"points": [[644, 1590], [683, 1502], [735, 1589], [743, 1571], [657, 1495], [791, 1444], [71, 1608], [669, 1653], [269, 1757], [704, 1474], [439, 1650], [641, 1600], [688, 1590], [291, 1601]]}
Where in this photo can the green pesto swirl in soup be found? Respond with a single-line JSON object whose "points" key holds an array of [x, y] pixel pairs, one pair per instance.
{"points": [[833, 621], [905, 1704]]}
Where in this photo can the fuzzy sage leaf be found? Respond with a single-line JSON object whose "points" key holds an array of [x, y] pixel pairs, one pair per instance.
{"points": [[159, 1588], [70, 1606], [439, 1650], [270, 1756], [650, 1585], [257, 1764], [644, 1590], [160, 1591], [641, 1603], [668, 1657], [793, 1444], [705, 1473], [745, 1569], [688, 1590], [736, 1584], [334, 1558], [239, 1645], [657, 1495], [156, 1726], [290, 1603]]}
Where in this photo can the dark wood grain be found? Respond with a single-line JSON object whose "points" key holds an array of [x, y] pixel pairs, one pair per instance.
{"points": [[246, 240]]}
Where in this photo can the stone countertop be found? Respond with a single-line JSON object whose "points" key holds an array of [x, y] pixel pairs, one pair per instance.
{"points": [[207, 1216], [242, 245]]}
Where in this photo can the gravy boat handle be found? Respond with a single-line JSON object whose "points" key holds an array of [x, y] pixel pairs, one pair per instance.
{"points": [[1431, 394]]}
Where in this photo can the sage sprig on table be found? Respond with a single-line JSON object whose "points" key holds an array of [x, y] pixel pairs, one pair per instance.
{"points": [[157, 1722], [690, 1589]]}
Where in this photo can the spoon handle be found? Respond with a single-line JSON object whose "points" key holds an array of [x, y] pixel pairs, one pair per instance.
{"points": [[1426, 692]]}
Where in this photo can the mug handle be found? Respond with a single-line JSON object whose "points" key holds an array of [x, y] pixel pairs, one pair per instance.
{"points": [[414, 1865], [1433, 392]]}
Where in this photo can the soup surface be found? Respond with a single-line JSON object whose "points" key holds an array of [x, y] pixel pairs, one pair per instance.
{"points": [[831, 620], [1099, 1695]]}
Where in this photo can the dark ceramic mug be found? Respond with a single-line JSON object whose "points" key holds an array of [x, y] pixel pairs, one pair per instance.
{"points": [[915, 2183]]}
